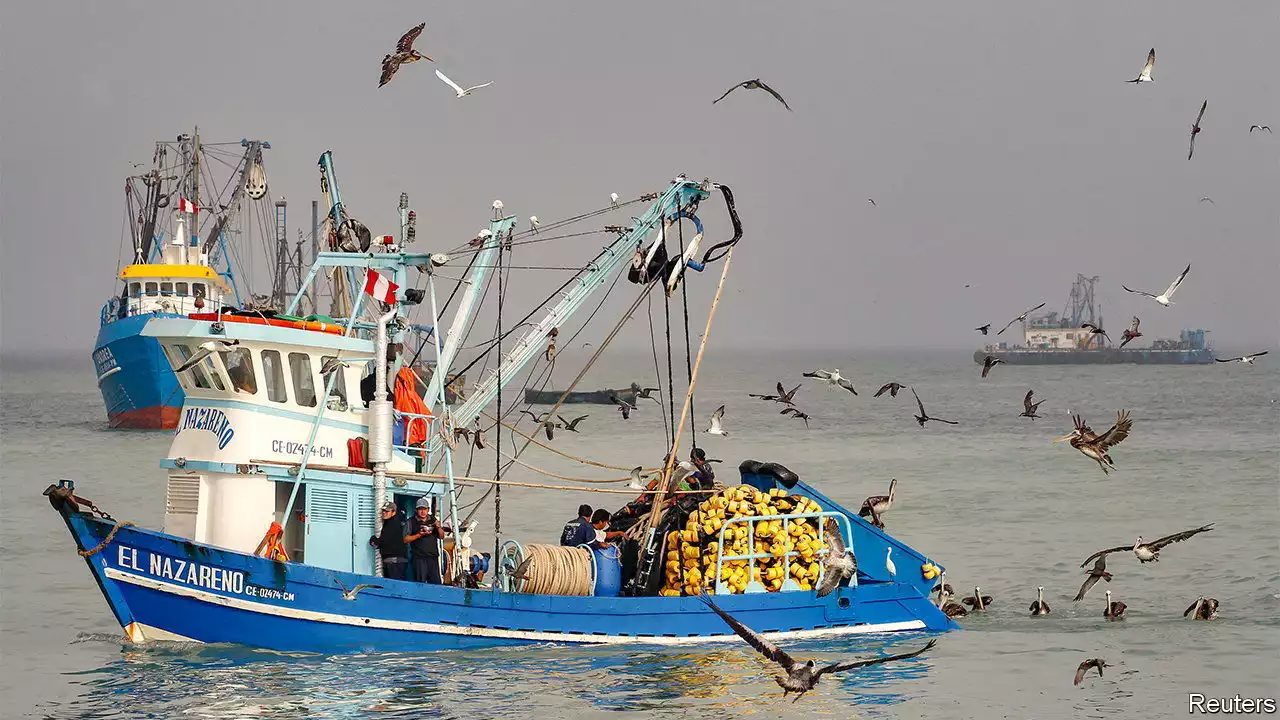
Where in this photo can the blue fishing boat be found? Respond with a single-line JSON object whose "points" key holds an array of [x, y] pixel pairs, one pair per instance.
{"points": [[284, 455], [174, 273]]}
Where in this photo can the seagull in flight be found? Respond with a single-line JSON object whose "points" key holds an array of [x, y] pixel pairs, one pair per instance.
{"points": [[1195, 130], [1165, 298], [923, 417], [1208, 199], [985, 328], [1260, 127], [716, 427], [207, 348], [872, 201], [1095, 330], [1246, 359], [800, 678], [404, 54], [838, 564], [755, 84], [351, 594], [833, 378], [1023, 316], [1145, 75], [457, 88]]}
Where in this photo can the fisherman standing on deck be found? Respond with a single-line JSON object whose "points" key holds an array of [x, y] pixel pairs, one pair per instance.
{"points": [[578, 531], [390, 544], [703, 472], [425, 533]]}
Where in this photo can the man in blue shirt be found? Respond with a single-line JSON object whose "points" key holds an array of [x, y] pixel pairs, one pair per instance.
{"points": [[579, 531]]}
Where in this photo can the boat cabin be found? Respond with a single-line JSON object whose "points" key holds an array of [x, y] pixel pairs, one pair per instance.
{"points": [[177, 289]]}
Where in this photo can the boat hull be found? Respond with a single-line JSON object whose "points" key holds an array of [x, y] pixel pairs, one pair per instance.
{"points": [[592, 397], [1139, 356], [162, 587], [137, 384]]}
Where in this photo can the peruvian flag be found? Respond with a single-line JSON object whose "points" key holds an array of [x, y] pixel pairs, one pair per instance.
{"points": [[380, 288], [185, 205]]}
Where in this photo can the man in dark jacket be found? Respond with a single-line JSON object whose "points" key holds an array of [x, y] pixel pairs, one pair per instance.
{"points": [[425, 533], [390, 544], [579, 531]]}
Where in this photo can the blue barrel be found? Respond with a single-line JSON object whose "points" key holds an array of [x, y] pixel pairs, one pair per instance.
{"points": [[608, 571]]}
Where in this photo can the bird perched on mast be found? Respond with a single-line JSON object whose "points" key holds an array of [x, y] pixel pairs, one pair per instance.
{"points": [[404, 54]]}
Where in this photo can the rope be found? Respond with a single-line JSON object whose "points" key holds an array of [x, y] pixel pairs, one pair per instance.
{"points": [[561, 453], [105, 541], [556, 570], [548, 473]]}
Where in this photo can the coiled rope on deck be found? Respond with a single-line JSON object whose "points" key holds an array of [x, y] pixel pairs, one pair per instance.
{"points": [[556, 570]]}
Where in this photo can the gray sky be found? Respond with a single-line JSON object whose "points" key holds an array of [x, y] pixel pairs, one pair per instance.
{"points": [[999, 140]]}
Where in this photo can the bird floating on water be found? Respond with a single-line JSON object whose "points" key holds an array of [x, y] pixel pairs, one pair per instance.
{"points": [[978, 601], [1145, 75], [891, 388], [1245, 359], [461, 91], [717, 423], [1150, 552], [1115, 609], [1204, 608], [1165, 298], [800, 678], [923, 417], [1023, 316], [1028, 407], [878, 505], [1096, 446], [783, 396], [404, 54], [1086, 666], [1096, 573], [1039, 606], [1131, 334], [1195, 130], [755, 84], [989, 362], [838, 564], [833, 378]]}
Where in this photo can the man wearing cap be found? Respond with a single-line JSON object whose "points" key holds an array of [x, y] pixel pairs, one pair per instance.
{"points": [[425, 533], [390, 544]]}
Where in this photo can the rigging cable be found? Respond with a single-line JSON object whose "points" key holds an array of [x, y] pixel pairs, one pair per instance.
{"points": [[497, 496], [657, 373], [688, 350]]}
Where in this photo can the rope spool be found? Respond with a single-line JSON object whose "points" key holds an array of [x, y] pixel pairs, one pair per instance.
{"points": [[556, 570]]}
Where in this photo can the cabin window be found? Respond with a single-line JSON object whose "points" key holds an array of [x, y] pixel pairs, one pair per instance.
{"points": [[197, 289], [135, 290], [211, 367], [196, 371], [338, 393], [180, 288], [151, 288], [240, 370], [304, 384], [166, 288], [273, 376]]}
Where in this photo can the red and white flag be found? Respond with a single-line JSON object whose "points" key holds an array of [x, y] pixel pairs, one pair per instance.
{"points": [[380, 288], [185, 205]]}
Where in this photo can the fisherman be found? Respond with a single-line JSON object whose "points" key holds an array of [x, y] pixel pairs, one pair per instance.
{"points": [[425, 533], [390, 544], [368, 383], [600, 526], [703, 473], [578, 531]]}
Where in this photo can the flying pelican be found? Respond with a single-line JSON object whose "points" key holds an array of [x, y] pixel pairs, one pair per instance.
{"points": [[923, 417], [892, 388], [989, 362], [1150, 552], [1165, 298], [1203, 609], [624, 407], [983, 329], [1115, 608], [878, 505], [753, 85], [1195, 130], [351, 594], [1085, 666], [1260, 127], [647, 393], [1145, 75], [716, 427], [1094, 330], [796, 414], [207, 348], [783, 396], [1130, 334], [833, 378], [1029, 408], [799, 678], [1039, 607], [571, 426], [978, 601], [458, 89], [838, 564], [1098, 572], [1246, 359], [404, 54], [1096, 446], [1023, 316]]}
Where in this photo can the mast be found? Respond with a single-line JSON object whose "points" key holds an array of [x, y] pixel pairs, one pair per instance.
{"points": [[195, 191]]}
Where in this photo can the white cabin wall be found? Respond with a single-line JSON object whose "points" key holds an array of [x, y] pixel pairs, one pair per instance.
{"points": [[241, 509]]}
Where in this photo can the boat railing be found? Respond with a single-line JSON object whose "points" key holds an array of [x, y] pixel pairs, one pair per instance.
{"points": [[788, 584], [406, 420]]}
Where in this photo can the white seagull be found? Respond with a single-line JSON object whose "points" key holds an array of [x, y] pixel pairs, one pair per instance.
{"points": [[1145, 75], [1023, 316], [1246, 359], [717, 420], [533, 223], [456, 88], [1165, 298], [351, 594], [207, 348], [613, 199], [833, 378]]}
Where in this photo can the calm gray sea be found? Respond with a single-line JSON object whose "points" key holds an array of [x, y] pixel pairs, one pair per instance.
{"points": [[991, 499]]}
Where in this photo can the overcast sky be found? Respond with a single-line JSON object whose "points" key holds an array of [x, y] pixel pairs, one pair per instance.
{"points": [[999, 140]]}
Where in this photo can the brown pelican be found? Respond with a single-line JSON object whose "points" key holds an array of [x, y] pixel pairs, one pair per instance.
{"points": [[891, 388], [1195, 130], [1115, 609], [1165, 298], [1150, 552], [923, 417], [1130, 334], [800, 678], [1085, 666], [571, 426], [1202, 609], [1039, 607], [783, 396], [838, 564], [646, 393], [1096, 446], [989, 362], [753, 85], [945, 595], [878, 505], [833, 378], [624, 407], [404, 54], [1029, 408], [1094, 330], [1246, 359], [978, 601], [796, 414], [1023, 316], [1099, 572], [1145, 75]]}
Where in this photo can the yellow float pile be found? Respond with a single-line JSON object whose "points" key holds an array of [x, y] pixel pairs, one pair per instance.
{"points": [[692, 552]]}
